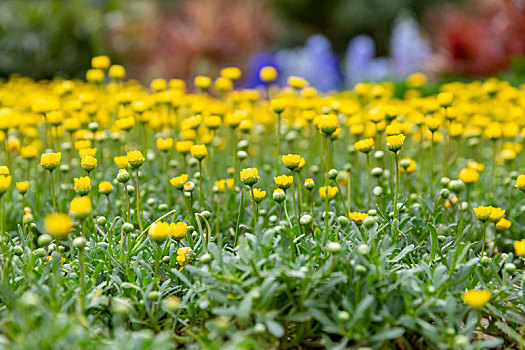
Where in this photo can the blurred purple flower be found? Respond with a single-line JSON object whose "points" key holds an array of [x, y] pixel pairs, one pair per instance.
{"points": [[408, 48], [359, 55]]}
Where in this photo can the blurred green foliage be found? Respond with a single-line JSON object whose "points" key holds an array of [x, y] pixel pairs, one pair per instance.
{"points": [[48, 38], [341, 20]]}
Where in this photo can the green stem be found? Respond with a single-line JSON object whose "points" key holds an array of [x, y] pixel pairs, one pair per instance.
{"points": [[238, 218], [139, 218], [483, 239], [53, 192], [397, 184], [200, 185], [254, 212]]}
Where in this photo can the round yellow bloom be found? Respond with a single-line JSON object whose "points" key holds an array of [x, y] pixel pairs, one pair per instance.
{"points": [[185, 256], [223, 184], [5, 182], [328, 123], [183, 147], [22, 186], [258, 195], [331, 192], [159, 85], [284, 181], [100, 62], [433, 123], [479, 167], [365, 145], [87, 152], [55, 117], [232, 73], [476, 298], [164, 144], [519, 247], [82, 185], [80, 207], [95, 75], [520, 182], [249, 176], [199, 151], [395, 142], [58, 225], [121, 161], [178, 231], [496, 214], [411, 165], [159, 231], [4, 170], [13, 145], [503, 224], [445, 99], [135, 159], [268, 74], [483, 213], [179, 181], [468, 175], [202, 82], [297, 82], [50, 161], [416, 80], [29, 151], [357, 217], [117, 71], [291, 161], [88, 163], [105, 187], [278, 105]]}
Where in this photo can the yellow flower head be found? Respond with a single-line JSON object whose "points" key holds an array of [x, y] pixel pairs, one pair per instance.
{"points": [[496, 214], [29, 151], [329, 192], [445, 99], [165, 144], [121, 161], [5, 182], [87, 152], [407, 165], [479, 167], [199, 151], [284, 181], [291, 161], [503, 224], [22, 186], [468, 175], [58, 225], [50, 161], [13, 145], [117, 71], [357, 217], [105, 187], [88, 163], [433, 123], [476, 298], [268, 74], [301, 165], [178, 230], [520, 182], [100, 62], [309, 184], [395, 142], [135, 159], [95, 75], [365, 145], [159, 231], [483, 213], [80, 207], [328, 123], [4, 170], [258, 195], [159, 85], [82, 185], [297, 82], [278, 105], [183, 147], [519, 247], [55, 117], [185, 256], [202, 82], [179, 181], [222, 184], [250, 176], [232, 73]]}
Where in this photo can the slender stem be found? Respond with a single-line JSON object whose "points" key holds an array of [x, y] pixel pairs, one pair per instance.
{"points": [[483, 239], [432, 165], [168, 187], [200, 185], [254, 205], [53, 192], [369, 200], [238, 218], [397, 185], [138, 200], [82, 275]]}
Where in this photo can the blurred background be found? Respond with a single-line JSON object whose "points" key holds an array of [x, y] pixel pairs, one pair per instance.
{"points": [[332, 43]]}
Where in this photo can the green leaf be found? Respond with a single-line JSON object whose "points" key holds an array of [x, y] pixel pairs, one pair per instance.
{"points": [[391, 333], [274, 328]]}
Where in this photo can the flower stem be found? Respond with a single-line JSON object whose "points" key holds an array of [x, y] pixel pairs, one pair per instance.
{"points": [[397, 185], [138, 200], [238, 218], [53, 192]]}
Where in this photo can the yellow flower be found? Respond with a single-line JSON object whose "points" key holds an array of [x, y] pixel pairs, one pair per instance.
{"points": [[13, 145], [479, 167], [22, 186], [135, 159], [250, 176], [496, 214], [433, 123], [178, 231], [328, 123], [357, 217], [291, 161], [476, 298], [445, 99], [520, 182], [185, 256], [55, 117], [58, 225], [50, 161], [121, 161], [309, 184], [232, 73], [183, 146], [365, 145], [278, 105], [179, 181], [117, 72], [297, 82], [80, 207], [258, 195], [199, 151], [100, 62], [82, 185], [4, 170], [105, 187], [87, 152], [159, 231], [503, 224], [395, 142], [95, 75], [222, 184], [483, 213], [301, 165], [416, 80], [29, 151], [268, 74], [519, 247], [284, 181], [159, 85], [88, 163], [212, 122], [468, 175], [202, 82], [5, 182], [332, 191], [165, 144], [407, 165]]}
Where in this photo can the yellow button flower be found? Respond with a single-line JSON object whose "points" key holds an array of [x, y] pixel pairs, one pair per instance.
{"points": [[183, 147], [468, 175], [291, 161], [258, 195], [135, 159], [249, 176], [483, 213], [503, 224], [159, 231], [365, 145], [50, 161], [58, 225], [121, 161], [22, 186], [87, 152], [496, 214], [5, 182], [164, 144], [520, 182], [222, 184], [178, 230], [328, 123], [476, 298], [330, 193], [283, 181], [179, 181], [199, 151], [82, 185], [185, 256], [105, 187], [357, 217], [80, 207], [88, 163], [268, 74], [519, 247], [395, 142]]}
